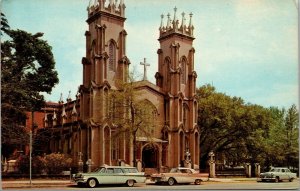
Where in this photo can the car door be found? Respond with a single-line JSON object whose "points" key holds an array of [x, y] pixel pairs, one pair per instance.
{"points": [[284, 175], [119, 176], [185, 176], [107, 177]]}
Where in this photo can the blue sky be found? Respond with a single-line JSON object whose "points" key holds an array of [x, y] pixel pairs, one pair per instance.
{"points": [[245, 48]]}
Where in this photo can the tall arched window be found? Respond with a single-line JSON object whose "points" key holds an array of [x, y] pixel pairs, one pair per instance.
{"points": [[167, 75], [112, 56], [183, 70], [185, 115]]}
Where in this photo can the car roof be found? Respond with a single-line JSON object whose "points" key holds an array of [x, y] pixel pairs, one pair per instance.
{"points": [[107, 166], [182, 168], [279, 167]]}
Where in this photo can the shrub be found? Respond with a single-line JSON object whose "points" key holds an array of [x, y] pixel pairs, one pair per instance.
{"points": [[38, 164], [56, 163]]}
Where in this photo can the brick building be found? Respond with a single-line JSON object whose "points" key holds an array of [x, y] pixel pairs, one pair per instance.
{"points": [[79, 126]]}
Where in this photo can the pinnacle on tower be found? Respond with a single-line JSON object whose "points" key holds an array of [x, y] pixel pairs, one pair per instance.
{"points": [[173, 26], [96, 3], [69, 97], [64, 114], [162, 22], [168, 21], [61, 99], [74, 112], [54, 115], [191, 27], [175, 21], [182, 27]]}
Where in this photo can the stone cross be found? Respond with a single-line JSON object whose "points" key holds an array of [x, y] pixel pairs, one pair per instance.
{"points": [[145, 68]]}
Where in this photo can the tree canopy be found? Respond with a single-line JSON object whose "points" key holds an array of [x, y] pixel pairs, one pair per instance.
{"points": [[241, 132], [28, 69]]}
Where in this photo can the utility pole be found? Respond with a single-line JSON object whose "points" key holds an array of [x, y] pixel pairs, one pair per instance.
{"points": [[30, 147]]}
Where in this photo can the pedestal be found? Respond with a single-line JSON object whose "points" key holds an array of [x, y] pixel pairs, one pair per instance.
{"points": [[212, 169], [257, 169], [248, 170]]}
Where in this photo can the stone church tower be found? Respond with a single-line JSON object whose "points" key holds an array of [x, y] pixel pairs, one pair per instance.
{"points": [[105, 62], [79, 126], [177, 78]]}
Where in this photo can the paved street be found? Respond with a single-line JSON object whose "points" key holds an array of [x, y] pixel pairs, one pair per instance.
{"points": [[217, 184]]}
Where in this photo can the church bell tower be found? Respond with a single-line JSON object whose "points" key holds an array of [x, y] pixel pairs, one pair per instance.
{"points": [[105, 60], [177, 78], [104, 64]]}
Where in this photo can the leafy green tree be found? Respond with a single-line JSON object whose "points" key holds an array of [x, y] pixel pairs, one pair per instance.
{"points": [[130, 113], [4, 24], [229, 127], [282, 146], [28, 69]]}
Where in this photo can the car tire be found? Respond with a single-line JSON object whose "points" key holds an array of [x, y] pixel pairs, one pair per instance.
{"points": [[171, 181], [130, 183], [92, 183], [291, 179], [197, 181]]}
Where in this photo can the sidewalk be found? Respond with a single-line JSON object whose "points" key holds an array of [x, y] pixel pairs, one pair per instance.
{"points": [[34, 183], [6, 184]]}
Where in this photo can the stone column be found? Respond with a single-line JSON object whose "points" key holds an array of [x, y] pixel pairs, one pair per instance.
{"points": [[257, 169], [248, 170]]}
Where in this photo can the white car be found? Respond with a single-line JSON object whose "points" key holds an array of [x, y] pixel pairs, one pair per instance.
{"points": [[277, 174], [179, 175], [110, 175]]}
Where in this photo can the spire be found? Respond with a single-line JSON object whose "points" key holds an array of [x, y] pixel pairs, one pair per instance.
{"points": [[175, 19], [90, 3], [168, 21], [54, 115], [111, 2], [96, 3], [63, 113], [74, 112], [191, 27], [183, 21], [78, 95], [69, 97], [121, 2], [61, 99], [162, 22]]}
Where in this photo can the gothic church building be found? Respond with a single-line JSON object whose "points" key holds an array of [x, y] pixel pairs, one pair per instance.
{"points": [[78, 126]]}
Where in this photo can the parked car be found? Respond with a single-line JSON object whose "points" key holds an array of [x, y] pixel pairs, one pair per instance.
{"points": [[178, 175], [277, 174], [110, 175]]}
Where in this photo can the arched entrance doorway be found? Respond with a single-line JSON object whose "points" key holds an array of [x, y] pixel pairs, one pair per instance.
{"points": [[150, 156]]}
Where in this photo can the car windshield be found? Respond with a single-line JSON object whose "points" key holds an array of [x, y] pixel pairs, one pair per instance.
{"points": [[99, 170], [275, 170]]}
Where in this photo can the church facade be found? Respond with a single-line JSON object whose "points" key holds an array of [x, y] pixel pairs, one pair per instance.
{"points": [[79, 127]]}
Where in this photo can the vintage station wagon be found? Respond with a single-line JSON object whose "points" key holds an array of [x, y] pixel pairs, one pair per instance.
{"points": [[110, 175]]}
